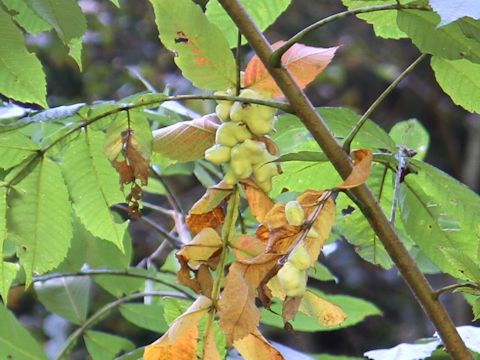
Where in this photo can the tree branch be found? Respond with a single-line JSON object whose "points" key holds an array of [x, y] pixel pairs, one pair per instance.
{"points": [[277, 54], [363, 195], [453, 287]]}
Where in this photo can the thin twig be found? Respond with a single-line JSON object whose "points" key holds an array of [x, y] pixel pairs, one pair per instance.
{"points": [[454, 287], [158, 208], [362, 194], [238, 61], [104, 311], [348, 141], [277, 54]]}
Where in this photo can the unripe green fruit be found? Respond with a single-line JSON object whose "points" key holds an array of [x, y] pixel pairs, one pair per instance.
{"points": [[245, 111], [259, 126], [230, 134], [292, 280], [299, 257], [223, 108], [265, 186], [240, 163], [312, 233], [257, 151], [230, 177], [218, 154], [265, 171], [294, 213]]}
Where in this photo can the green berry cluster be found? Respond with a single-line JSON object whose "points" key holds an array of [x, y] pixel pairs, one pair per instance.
{"points": [[235, 145]]}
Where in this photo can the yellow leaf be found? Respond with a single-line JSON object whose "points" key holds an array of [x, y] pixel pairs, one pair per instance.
{"points": [[360, 171], [210, 351], [184, 348], [202, 247], [255, 347], [324, 312]]}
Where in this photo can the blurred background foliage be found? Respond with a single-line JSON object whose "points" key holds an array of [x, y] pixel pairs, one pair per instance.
{"points": [[122, 56]]}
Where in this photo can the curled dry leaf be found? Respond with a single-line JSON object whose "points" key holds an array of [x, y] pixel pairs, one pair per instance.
{"points": [[247, 247], [323, 311], [270, 144], [212, 198], [259, 202], [212, 219], [201, 248], [187, 140], [303, 62], [184, 278], [210, 350], [361, 169], [254, 346], [290, 308], [184, 348]]}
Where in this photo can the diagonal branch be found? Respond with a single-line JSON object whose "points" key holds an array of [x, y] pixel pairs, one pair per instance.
{"points": [[362, 195]]}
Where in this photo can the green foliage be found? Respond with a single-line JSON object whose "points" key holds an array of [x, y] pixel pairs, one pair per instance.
{"points": [[413, 135], [67, 297], [148, 317], [39, 219], [15, 340], [264, 14], [14, 149], [26, 17], [356, 310], [202, 51], [21, 74], [460, 79], [93, 186], [101, 345]]}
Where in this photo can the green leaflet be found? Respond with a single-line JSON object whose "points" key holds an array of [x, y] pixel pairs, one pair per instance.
{"points": [[26, 17], [202, 52], [68, 297], [93, 187], [440, 213], [102, 346], [21, 74], [67, 19], [39, 218], [264, 13], [14, 148], [148, 317], [8, 273], [460, 79], [15, 341], [448, 41], [412, 134]]}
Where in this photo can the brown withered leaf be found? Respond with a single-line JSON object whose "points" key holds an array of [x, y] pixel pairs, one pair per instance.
{"points": [[254, 346], [239, 315], [270, 144], [262, 233], [290, 308], [212, 198], [201, 248], [204, 278], [361, 169], [185, 348], [210, 351], [323, 311], [212, 219], [184, 278], [138, 161], [247, 247], [259, 202], [124, 170], [281, 233]]}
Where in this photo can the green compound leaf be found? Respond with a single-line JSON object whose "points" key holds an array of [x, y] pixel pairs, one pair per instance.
{"points": [[15, 341], [67, 297], [460, 79], [449, 42], [202, 52], [264, 13], [39, 218], [21, 74], [66, 18], [93, 187], [8, 273], [452, 10], [148, 317], [440, 213], [26, 17], [102, 346], [15, 148], [356, 309]]}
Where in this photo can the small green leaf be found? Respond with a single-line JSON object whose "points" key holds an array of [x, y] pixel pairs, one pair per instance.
{"points": [[3, 236], [264, 13], [21, 74], [120, 286], [202, 52], [67, 297], [15, 148], [15, 341], [148, 317], [356, 309], [39, 218], [8, 273], [452, 10], [460, 79], [476, 309], [321, 272], [173, 308], [102, 346], [93, 187], [26, 17], [411, 134], [448, 41]]}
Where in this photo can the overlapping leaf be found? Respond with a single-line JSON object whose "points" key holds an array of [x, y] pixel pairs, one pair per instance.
{"points": [[93, 188], [21, 74], [39, 219], [145, 316], [304, 63], [188, 140], [206, 243], [201, 50], [14, 148], [101, 345], [3, 236], [255, 346], [212, 198], [26, 17]]}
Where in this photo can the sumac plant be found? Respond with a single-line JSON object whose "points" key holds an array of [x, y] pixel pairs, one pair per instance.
{"points": [[279, 174]]}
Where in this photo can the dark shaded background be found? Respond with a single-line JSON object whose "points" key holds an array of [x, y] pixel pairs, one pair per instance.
{"points": [[122, 41]]}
